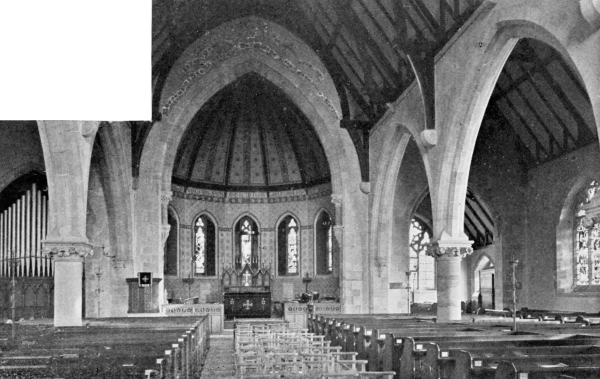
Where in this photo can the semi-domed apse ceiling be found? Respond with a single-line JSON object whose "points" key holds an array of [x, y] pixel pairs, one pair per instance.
{"points": [[250, 137]]}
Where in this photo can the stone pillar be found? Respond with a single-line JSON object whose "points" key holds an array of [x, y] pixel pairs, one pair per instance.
{"points": [[448, 276], [165, 198], [338, 235], [68, 280]]}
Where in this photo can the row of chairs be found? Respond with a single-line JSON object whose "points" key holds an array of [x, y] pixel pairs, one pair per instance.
{"points": [[285, 350]]}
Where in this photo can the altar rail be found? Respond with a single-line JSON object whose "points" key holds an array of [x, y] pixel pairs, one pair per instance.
{"points": [[297, 313], [214, 312]]}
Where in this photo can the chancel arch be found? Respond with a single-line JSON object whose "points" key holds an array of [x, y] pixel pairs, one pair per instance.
{"points": [[313, 93]]}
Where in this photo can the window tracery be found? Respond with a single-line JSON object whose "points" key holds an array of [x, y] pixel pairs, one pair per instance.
{"points": [[287, 254], [247, 243], [422, 266], [204, 253], [587, 238]]}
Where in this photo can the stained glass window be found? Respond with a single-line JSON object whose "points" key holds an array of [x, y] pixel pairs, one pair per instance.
{"points": [[204, 258], [287, 248], [422, 266], [587, 237], [247, 243], [324, 244]]}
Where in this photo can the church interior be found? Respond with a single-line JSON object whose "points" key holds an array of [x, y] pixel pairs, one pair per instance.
{"points": [[383, 156]]}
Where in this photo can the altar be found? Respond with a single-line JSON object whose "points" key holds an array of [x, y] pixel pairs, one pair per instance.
{"points": [[247, 292]]}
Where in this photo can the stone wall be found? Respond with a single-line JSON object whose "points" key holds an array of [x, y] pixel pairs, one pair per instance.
{"points": [[550, 185]]}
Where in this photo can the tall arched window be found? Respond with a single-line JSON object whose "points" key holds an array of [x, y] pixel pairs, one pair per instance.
{"points": [[422, 266], [287, 246], [587, 238], [246, 241], [171, 252], [204, 246], [324, 244]]}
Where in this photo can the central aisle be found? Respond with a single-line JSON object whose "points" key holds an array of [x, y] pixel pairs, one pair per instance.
{"points": [[220, 361]]}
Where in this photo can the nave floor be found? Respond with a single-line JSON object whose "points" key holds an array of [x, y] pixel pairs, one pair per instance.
{"points": [[220, 360]]}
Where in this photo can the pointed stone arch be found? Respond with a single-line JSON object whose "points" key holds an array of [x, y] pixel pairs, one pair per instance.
{"points": [[217, 59], [460, 105]]}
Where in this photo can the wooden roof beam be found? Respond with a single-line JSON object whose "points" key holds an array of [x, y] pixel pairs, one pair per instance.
{"points": [[583, 131], [360, 33]]}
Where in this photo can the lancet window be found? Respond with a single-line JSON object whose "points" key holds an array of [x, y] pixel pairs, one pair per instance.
{"points": [[204, 246], [587, 237], [288, 246], [422, 266], [246, 240], [324, 244]]}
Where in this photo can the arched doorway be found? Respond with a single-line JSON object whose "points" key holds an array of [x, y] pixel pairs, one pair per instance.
{"points": [[484, 277]]}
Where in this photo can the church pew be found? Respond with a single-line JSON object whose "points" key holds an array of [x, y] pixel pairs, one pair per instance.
{"points": [[576, 367], [409, 352], [381, 347], [482, 363], [351, 338], [344, 332], [371, 345], [551, 315], [366, 341], [587, 319], [435, 328], [339, 332], [322, 323]]}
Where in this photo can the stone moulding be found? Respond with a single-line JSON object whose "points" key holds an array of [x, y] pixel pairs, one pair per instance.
{"points": [[252, 35], [67, 250], [435, 250]]}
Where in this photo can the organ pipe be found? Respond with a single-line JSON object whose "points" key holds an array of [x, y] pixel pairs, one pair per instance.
{"points": [[28, 250], [23, 225], [46, 267]]}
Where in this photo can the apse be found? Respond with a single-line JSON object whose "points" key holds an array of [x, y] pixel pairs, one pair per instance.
{"points": [[251, 184], [250, 137]]}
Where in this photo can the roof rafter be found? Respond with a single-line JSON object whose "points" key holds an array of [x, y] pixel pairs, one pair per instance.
{"points": [[551, 138], [583, 131], [538, 145], [361, 37]]}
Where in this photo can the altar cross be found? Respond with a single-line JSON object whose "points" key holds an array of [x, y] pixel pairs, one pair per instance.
{"points": [[247, 277], [248, 304]]}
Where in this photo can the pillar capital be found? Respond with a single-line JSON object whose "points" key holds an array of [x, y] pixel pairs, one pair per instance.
{"points": [[450, 249], [337, 199], [166, 197], [67, 250]]}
